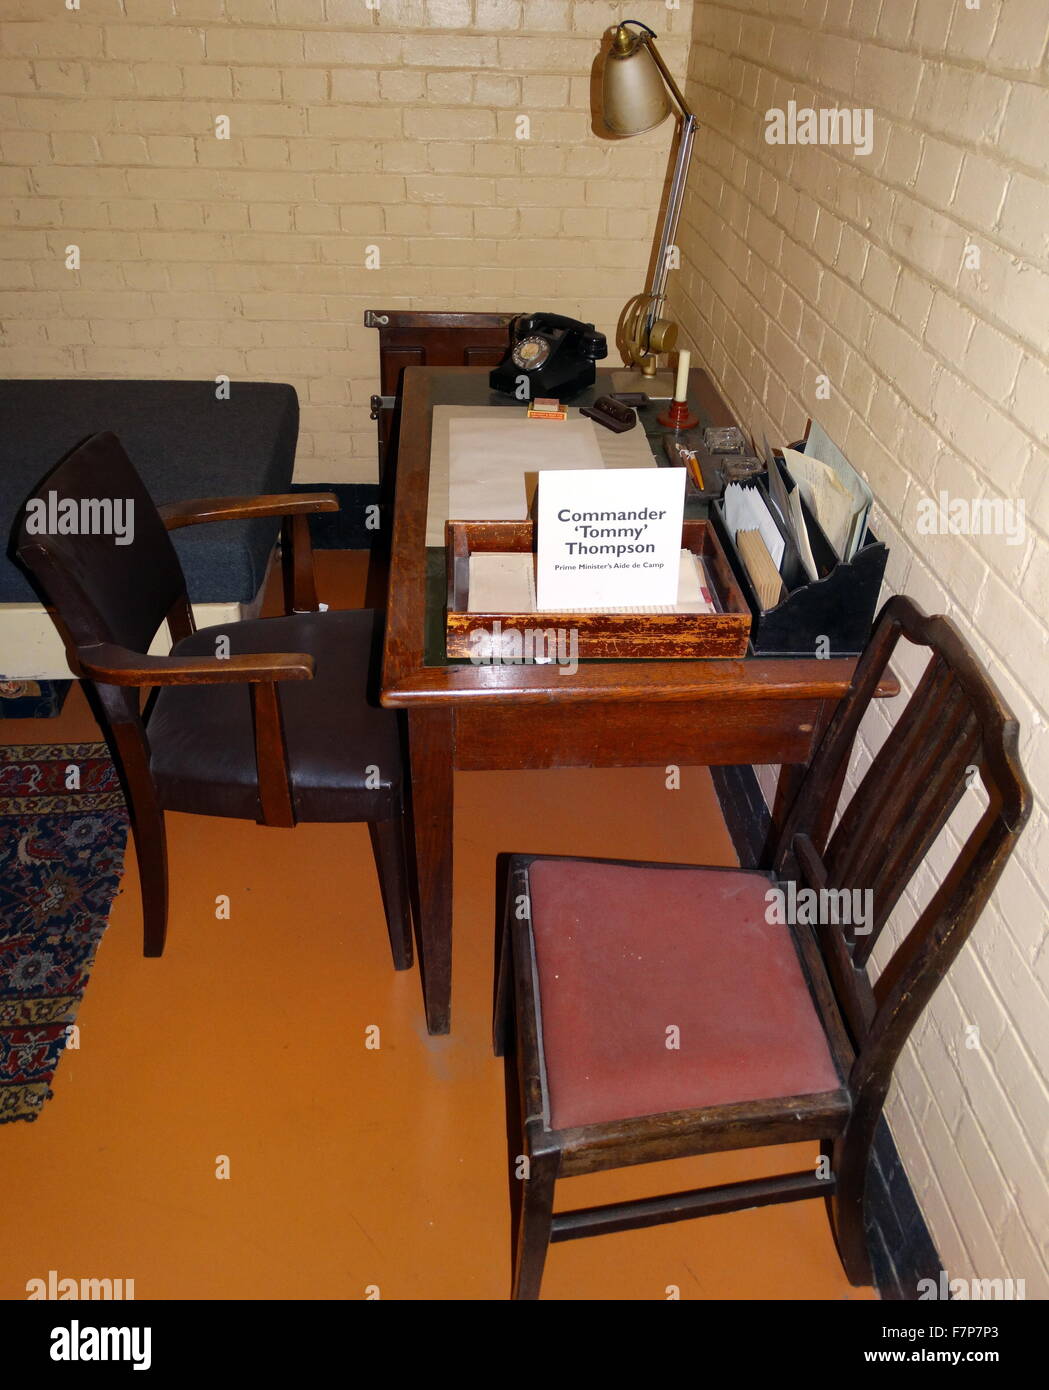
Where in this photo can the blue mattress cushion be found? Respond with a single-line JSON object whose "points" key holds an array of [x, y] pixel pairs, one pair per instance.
{"points": [[184, 442]]}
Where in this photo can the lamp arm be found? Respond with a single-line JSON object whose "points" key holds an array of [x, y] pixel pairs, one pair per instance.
{"points": [[657, 284], [660, 269]]}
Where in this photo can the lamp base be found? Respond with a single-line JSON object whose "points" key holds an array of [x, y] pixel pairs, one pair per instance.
{"points": [[658, 388], [678, 417]]}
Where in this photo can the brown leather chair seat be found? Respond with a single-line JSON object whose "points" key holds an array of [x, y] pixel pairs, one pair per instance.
{"points": [[624, 953], [202, 737]]}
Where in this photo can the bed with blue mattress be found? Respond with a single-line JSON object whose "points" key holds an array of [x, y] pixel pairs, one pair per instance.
{"points": [[185, 441]]}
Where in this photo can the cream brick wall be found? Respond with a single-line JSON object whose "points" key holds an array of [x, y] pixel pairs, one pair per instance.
{"points": [[350, 127], [802, 260]]}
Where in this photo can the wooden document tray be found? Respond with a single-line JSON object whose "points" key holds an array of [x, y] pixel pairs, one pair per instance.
{"points": [[607, 635]]}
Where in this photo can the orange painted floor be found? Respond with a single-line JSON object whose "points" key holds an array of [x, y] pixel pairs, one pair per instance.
{"points": [[349, 1168]]}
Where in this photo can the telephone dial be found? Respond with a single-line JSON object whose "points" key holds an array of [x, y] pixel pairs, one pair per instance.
{"points": [[549, 355]]}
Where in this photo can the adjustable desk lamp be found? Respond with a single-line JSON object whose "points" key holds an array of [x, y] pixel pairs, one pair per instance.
{"points": [[635, 91]]}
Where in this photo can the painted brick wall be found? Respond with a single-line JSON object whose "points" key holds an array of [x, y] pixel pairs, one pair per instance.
{"points": [[350, 127], [808, 260]]}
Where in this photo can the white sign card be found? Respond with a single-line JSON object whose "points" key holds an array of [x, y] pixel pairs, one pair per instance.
{"points": [[609, 537]]}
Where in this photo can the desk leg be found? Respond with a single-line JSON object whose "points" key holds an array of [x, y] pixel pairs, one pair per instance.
{"points": [[431, 738], [791, 778]]}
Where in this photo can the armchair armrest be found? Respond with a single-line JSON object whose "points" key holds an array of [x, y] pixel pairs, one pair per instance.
{"points": [[114, 665], [300, 589], [196, 510]]}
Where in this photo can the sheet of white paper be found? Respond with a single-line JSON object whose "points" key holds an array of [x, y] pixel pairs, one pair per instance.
{"points": [[505, 583], [828, 499], [490, 458], [502, 582], [693, 596], [745, 510], [629, 450], [820, 446], [802, 531]]}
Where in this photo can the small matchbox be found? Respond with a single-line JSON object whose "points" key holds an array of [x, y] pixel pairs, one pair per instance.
{"points": [[543, 408]]}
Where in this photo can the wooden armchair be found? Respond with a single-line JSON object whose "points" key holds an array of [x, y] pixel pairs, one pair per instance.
{"points": [[661, 1011], [321, 749]]}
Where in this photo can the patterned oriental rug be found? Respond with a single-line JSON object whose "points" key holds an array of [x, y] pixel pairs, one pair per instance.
{"points": [[63, 829]]}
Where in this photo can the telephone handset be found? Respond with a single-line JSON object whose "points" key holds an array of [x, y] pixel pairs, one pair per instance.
{"points": [[549, 355]]}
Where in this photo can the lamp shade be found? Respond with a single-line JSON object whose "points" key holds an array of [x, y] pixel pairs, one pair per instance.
{"points": [[634, 96]]}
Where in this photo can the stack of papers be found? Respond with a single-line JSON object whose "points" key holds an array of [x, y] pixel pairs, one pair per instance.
{"points": [[504, 582], [745, 510], [763, 574], [758, 539], [834, 492], [501, 582], [772, 534]]}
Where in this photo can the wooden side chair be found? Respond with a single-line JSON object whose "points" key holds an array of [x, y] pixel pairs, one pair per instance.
{"points": [[429, 338], [418, 338], [217, 737], [663, 1011]]}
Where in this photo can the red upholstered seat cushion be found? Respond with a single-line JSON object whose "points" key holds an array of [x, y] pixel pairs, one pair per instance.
{"points": [[625, 953]]}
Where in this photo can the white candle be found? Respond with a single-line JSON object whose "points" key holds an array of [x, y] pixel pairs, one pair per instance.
{"points": [[681, 386]]}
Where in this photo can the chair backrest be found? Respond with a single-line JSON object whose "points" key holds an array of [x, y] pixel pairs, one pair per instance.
{"points": [[954, 735], [436, 338], [431, 338], [92, 538]]}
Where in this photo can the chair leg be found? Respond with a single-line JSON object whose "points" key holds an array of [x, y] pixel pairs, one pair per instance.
{"points": [[147, 826], [502, 1013], [851, 1158], [391, 863], [151, 850], [534, 1222]]}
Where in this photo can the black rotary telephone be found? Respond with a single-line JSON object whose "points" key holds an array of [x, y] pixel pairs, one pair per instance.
{"points": [[549, 355]]}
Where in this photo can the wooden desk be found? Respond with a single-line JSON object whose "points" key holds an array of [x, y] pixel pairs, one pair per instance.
{"points": [[608, 714]]}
